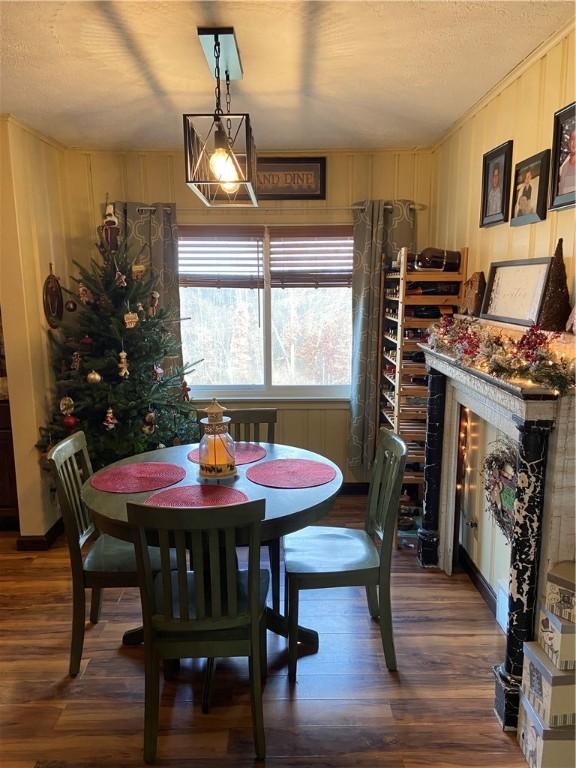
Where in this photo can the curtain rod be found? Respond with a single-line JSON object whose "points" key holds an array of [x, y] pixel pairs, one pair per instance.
{"points": [[415, 207], [144, 208]]}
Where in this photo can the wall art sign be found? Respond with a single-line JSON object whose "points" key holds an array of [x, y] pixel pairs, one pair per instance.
{"points": [[291, 178], [515, 289], [563, 187], [496, 170], [530, 189]]}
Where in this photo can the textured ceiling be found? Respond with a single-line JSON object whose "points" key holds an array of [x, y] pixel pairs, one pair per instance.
{"points": [[317, 75]]}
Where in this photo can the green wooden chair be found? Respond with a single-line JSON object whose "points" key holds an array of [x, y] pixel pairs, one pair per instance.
{"points": [[318, 557], [109, 562], [245, 425], [213, 611]]}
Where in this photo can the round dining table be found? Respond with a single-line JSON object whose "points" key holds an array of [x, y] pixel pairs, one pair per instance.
{"points": [[287, 509]]}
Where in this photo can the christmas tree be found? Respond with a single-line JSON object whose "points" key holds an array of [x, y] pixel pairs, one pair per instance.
{"points": [[115, 359]]}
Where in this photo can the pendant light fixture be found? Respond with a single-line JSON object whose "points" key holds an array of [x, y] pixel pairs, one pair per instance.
{"points": [[219, 147]]}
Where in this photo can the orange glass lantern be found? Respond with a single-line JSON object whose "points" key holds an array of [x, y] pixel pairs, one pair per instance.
{"points": [[217, 452]]}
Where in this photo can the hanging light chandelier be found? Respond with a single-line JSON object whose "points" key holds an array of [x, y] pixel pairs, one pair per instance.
{"points": [[219, 149]]}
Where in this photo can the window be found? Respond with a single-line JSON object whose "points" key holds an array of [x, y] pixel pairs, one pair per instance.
{"points": [[269, 309]]}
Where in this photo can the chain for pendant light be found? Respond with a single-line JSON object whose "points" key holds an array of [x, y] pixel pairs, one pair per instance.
{"points": [[218, 109], [228, 104]]}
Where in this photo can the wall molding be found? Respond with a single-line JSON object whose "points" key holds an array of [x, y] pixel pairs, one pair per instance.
{"points": [[10, 119], [41, 543], [477, 579]]}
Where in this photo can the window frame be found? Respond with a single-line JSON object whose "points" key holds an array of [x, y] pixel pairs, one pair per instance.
{"points": [[267, 390]]}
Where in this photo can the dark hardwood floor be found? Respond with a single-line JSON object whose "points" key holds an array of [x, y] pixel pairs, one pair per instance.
{"points": [[346, 709]]}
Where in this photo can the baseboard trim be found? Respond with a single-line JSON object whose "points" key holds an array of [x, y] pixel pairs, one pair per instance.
{"points": [[354, 489], [477, 579], [39, 543]]}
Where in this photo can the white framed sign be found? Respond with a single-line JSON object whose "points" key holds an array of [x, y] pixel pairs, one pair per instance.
{"points": [[514, 291]]}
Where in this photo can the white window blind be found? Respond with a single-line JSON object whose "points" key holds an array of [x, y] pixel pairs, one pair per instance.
{"points": [[220, 257], [311, 256]]}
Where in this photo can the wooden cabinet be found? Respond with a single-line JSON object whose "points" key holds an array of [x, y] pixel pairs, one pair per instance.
{"points": [[8, 496], [413, 299]]}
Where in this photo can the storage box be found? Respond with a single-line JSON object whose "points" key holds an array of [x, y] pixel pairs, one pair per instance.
{"points": [[557, 638], [550, 691], [560, 587], [544, 747]]}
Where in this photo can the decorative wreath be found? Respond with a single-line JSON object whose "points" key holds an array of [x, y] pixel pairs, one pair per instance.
{"points": [[500, 479]]}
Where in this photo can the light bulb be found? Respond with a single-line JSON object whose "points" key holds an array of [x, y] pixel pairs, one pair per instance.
{"points": [[224, 169]]}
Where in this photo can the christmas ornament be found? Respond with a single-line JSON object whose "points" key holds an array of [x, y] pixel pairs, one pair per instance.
{"points": [[555, 307], [130, 319], [84, 294], [75, 363], [120, 279], [123, 371], [52, 300], [149, 423], [158, 373], [110, 420], [138, 271], [184, 389], [66, 405], [93, 377], [109, 231], [176, 441], [86, 340], [139, 307], [153, 305], [70, 421], [70, 306]]}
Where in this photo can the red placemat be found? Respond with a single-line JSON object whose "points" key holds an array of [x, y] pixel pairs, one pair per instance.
{"points": [[291, 473], [196, 496], [139, 477], [246, 453]]}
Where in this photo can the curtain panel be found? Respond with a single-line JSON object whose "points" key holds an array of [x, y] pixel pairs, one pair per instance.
{"points": [[381, 228], [151, 234]]}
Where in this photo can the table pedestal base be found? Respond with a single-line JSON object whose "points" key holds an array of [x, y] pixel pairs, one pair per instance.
{"points": [[275, 622]]}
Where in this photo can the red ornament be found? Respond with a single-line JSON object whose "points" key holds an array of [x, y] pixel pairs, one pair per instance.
{"points": [[70, 421], [86, 340]]}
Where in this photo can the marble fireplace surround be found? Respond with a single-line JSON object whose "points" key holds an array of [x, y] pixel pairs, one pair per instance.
{"points": [[542, 424]]}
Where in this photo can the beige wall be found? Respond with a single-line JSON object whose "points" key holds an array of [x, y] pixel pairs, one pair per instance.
{"points": [[521, 108], [33, 235], [159, 176]]}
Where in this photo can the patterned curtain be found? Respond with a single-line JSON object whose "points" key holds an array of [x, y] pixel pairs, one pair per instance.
{"points": [[381, 228], [152, 237]]}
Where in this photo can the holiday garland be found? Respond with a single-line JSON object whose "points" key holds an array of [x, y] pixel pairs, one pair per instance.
{"points": [[528, 359], [500, 478]]}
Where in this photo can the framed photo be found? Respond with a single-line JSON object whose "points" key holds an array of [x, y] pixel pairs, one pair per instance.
{"points": [[530, 189], [563, 187], [496, 170], [291, 178], [514, 290]]}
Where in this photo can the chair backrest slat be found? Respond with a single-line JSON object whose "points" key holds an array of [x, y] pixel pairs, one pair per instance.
{"points": [[231, 592], [245, 424], [197, 563], [182, 567], [208, 536], [165, 570], [385, 489], [71, 466], [215, 573]]}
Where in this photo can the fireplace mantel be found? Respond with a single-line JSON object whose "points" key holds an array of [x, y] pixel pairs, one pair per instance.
{"points": [[544, 497]]}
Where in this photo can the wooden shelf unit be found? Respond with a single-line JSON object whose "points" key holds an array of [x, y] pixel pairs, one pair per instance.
{"points": [[403, 406]]}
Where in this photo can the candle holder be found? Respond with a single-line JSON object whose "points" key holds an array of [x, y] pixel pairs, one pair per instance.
{"points": [[217, 451]]}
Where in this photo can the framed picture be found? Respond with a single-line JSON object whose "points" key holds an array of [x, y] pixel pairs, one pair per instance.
{"points": [[530, 189], [563, 187], [514, 290], [496, 170], [291, 178]]}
